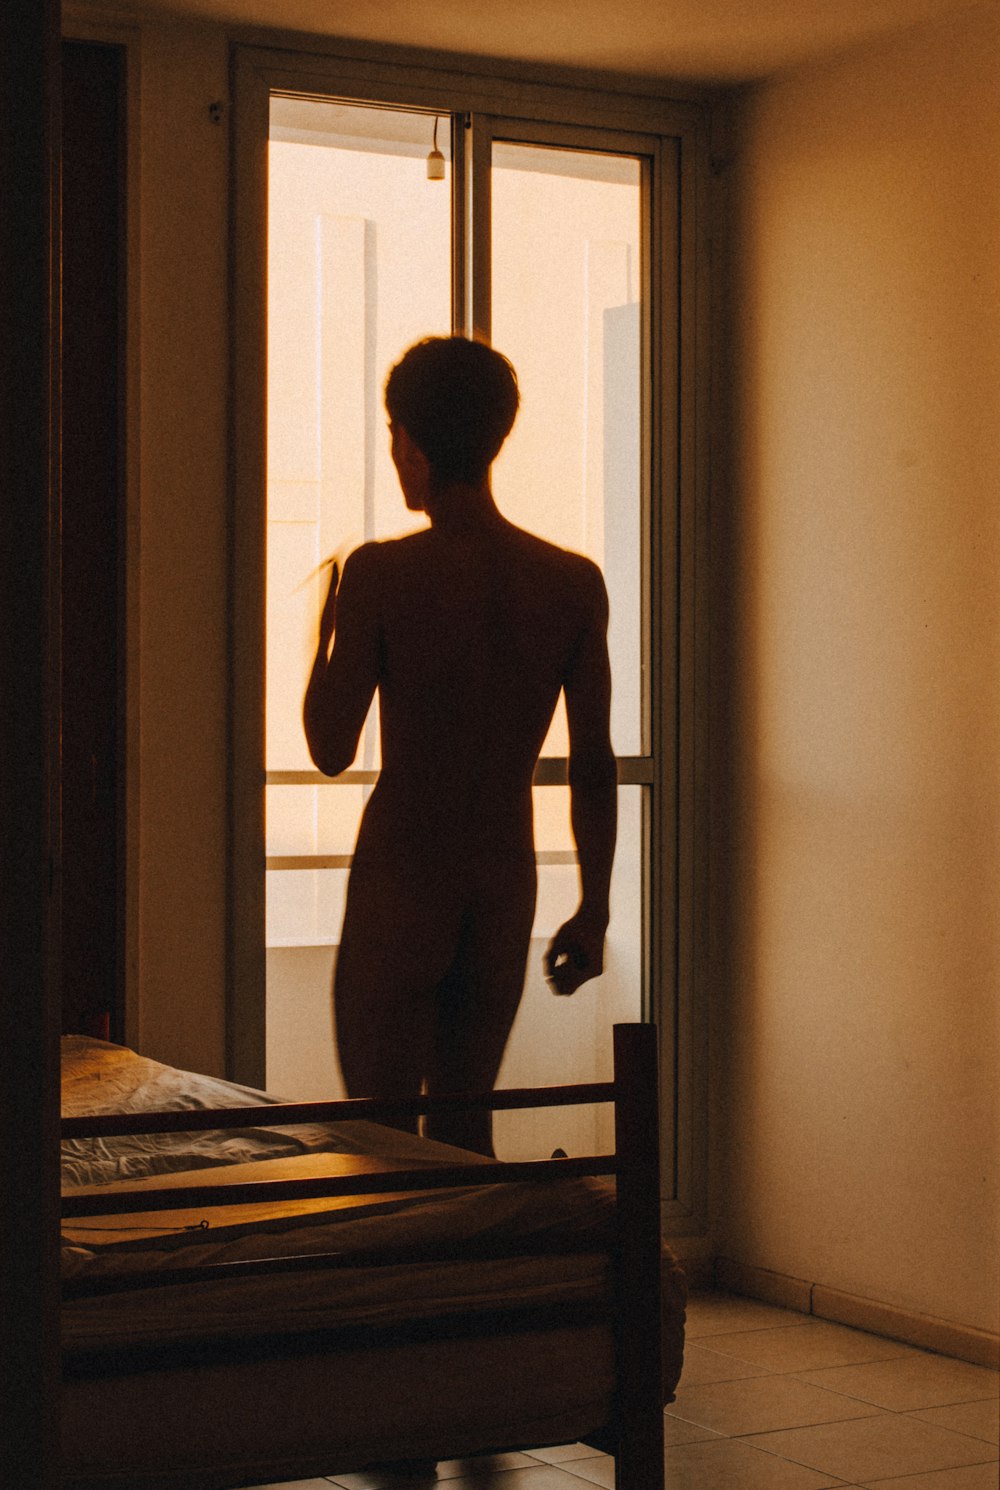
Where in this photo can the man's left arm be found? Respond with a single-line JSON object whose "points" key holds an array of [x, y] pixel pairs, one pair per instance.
{"points": [[576, 952]]}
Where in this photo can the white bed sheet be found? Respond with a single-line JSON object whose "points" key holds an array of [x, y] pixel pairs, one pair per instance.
{"points": [[438, 1252]]}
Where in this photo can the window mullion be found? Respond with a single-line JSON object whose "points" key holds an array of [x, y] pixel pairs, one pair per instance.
{"points": [[479, 148], [459, 223]]}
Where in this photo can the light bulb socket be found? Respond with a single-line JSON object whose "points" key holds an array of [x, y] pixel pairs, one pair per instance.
{"points": [[435, 166]]}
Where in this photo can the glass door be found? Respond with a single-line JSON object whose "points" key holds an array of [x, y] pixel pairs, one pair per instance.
{"points": [[563, 231], [359, 267], [538, 240]]}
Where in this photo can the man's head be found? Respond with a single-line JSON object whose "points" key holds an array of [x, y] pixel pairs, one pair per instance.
{"points": [[457, 400]]}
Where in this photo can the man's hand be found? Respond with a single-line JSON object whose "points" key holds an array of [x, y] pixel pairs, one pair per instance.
{"points": [[575, 954]]}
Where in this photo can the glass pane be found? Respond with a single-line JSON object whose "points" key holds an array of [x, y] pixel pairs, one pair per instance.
{"points": [[359, 268], [305, 907], [567, 275], [553, 832], [359, 256], [313, 819], [557, 1039], [301, 1059], [554, 1039]]}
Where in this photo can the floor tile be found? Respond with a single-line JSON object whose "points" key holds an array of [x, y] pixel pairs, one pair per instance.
{"points": [[911, 1382], [562, 1452], [874, 1448], [676, 1430], [569, 1456], [482, 1464], [764, 1404], [809, 1345], [723, 1313], [293, 1485], [383, 1477], [537, 1477], [977, 1419], [729, 1464], [599, 1471], [972, 1477], [480, 1468], [703, 1365]]}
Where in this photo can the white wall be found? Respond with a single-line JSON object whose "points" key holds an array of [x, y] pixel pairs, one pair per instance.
{"points": [[856, 1113]]}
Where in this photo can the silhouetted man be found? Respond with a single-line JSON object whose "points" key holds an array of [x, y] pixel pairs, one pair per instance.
{"points": [[469, 629]]}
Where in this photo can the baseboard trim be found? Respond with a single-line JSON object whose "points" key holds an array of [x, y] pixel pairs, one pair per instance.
{"points": [[699, 1272], [696, 1259], [964, 1342]]}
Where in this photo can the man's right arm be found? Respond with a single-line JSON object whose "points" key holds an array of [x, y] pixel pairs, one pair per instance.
{"points": [[343, 680]]}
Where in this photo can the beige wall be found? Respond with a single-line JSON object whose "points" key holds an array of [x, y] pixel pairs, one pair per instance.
{"points": [[857, 785], [856, 1115], [182, 600]]}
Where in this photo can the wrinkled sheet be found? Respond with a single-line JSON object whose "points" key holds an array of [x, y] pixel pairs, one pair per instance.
{"points": [[496, 1252], [469, 1222]]}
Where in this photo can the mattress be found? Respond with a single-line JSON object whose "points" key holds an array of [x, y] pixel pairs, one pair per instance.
{"points": [[425, 1261]]}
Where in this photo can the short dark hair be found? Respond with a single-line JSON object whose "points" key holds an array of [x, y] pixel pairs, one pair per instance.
{"points": [[457, 400]]}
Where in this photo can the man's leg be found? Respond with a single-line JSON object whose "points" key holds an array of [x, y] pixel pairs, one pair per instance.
{"points": [[476, 1004], [393, 952]]}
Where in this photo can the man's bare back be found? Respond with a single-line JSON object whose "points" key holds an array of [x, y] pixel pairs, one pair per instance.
{"points": [[469, 630]]}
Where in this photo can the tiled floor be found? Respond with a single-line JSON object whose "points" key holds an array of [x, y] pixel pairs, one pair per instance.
{"points": [[773, 1400]]}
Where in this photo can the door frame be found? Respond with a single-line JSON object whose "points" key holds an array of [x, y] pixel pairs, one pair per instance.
{"points": [[677, 828]]}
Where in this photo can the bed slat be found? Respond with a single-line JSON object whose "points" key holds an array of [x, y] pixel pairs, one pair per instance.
{"points": [[281, 1114], [263, 1192]]}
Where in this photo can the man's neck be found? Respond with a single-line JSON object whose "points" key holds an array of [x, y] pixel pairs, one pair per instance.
{"points": [[463, 508]]}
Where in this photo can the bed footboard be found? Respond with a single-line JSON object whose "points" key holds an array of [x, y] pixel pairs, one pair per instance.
{"points": [[633, 1429]]}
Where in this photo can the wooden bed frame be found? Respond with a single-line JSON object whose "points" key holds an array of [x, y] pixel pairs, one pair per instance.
{"points": [[634, 1433]]}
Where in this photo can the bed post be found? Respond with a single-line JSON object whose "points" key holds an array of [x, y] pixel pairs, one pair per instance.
{"points": [[30, 758], [639, 1448]]}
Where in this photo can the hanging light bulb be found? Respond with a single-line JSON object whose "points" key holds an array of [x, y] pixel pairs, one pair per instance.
{"points": [[435, 161]]}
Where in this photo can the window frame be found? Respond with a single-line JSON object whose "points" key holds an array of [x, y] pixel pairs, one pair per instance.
{"points": [[672, 137]]}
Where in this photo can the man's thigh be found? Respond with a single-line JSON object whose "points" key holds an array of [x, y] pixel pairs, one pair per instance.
{"points": [[395, 948], [478, 999]]}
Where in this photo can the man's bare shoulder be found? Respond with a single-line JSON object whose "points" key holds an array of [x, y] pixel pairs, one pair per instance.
{"points": [[527, 561], [364, 558], [378, 552], [359, 575], [379, 561], [573, 569]]}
